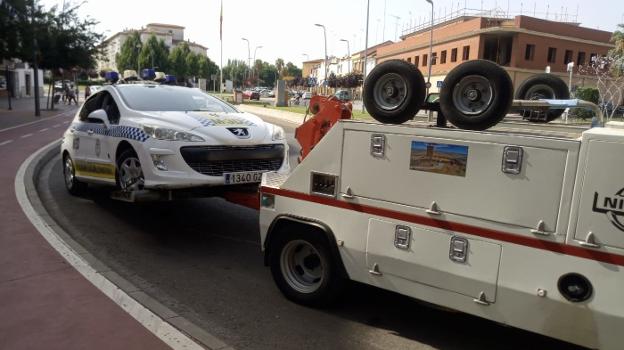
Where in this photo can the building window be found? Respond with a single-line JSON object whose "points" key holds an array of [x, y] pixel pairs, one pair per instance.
{"points": [[409, 60], [580, 60], [416, 60], [454, 55], [443, 57], [567, 58], [466, 53], [434, 58], [424, 62], [529, 53], [552, 55]]}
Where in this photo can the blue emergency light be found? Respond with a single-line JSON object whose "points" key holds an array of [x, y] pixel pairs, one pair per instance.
{"points": [[148, 74], [111, 76], [170, 79]]}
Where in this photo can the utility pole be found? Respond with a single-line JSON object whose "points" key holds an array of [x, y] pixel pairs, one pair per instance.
{"points": [[348, 54], [383, 34], [325, 39], [396, 29], [35, 65], [248, 55], [365, 53]]}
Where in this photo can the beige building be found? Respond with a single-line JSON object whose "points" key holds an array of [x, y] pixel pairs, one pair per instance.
{"points": [[172, 35]]}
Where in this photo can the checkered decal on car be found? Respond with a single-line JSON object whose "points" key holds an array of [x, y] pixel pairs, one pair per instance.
{"points": [[126, 132], [203, 121]]}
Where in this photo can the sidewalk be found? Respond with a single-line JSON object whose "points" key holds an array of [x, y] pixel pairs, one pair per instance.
{"points": [[45, 303], [23, 111]]}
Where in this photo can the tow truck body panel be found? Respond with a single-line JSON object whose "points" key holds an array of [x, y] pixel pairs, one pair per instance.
{"points": [[460, 219]]}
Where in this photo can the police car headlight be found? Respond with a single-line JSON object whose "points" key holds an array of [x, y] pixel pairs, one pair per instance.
{"points": [[170, 134], [278, 133]]}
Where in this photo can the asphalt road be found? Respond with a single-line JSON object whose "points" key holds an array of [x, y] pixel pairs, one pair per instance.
{"points": [[202, 259]]}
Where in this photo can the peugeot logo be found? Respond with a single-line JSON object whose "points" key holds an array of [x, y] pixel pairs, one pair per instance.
{"points": [[612, 206], [241, 133]]}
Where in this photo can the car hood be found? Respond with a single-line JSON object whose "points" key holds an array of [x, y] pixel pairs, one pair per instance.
{"points": [[220, 127]]}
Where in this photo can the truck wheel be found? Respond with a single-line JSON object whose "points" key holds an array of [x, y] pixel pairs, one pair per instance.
{"points": [[74, 186], [129, 171], [543, 86], [394, 91], [304, 269], [476, 95]]}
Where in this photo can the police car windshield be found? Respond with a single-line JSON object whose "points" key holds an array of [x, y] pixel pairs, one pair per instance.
{"points": [[171, 98]]}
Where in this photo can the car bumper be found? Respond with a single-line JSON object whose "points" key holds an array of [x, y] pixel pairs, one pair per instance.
{"points": [[188, 165]]}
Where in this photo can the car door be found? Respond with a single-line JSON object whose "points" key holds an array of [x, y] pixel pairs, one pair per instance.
{"points": [[82, 142], [98, 140]]}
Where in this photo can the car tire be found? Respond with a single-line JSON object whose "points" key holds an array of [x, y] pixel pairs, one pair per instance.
{"points": [[129, 171], [476, 95], [394, 91], [74, 186], [304, 269], [543, 86]]}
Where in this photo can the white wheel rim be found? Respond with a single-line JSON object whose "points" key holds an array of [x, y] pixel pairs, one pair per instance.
{"points": [[131, 175], [302, 266], [68, 171]]}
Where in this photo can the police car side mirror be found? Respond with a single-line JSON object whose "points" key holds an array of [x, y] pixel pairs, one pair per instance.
{"points": [[99, 115]]}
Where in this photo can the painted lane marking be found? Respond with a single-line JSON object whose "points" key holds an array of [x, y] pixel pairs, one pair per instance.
{"points": [[5, 142], [56, 125], [44, 129], [26, 135], [38, 121], [66, 122], [154, 323]]}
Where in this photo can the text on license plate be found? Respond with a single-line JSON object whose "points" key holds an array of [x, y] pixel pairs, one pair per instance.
{"points": [[243, 177]]}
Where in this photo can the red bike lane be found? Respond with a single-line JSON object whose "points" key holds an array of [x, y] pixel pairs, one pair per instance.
{"points": [[44, 301]]}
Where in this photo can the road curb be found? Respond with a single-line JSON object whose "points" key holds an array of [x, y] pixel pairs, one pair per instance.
{"points": [[173, 329]]}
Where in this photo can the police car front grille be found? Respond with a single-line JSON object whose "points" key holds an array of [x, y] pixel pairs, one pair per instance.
{"points": [[217, 160]]}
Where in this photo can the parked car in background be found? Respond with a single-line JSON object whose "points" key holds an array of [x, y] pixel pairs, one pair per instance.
{"points": [[343, 95], [251, 95], [94, 88]]}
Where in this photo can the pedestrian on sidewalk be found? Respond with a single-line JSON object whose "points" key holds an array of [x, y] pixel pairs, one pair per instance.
{"points": [[71, 95], [87, 92]]}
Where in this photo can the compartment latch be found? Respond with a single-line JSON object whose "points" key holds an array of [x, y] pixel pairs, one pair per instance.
{"points": [[512, 160]]}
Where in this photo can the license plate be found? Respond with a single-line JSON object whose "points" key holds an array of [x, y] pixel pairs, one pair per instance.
{"points": [[243, 177]]}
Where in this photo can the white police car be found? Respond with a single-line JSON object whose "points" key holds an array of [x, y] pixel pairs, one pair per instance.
{"points": [[150, 136]]}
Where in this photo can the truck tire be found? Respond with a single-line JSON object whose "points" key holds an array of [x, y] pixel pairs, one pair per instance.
{"points": [[394, 91], [476, 95], [303, 267], [543, 86], [74, 186]]}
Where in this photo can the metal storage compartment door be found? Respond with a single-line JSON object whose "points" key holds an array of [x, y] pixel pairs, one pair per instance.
{"points": [[601, 207], [483, 192], [427, 260]]}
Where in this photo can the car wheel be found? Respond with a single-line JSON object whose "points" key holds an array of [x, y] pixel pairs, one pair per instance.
{"points": [[304, 269], [543, 86], [129, 172], [476, 95], [394, 91], [72, 184]]}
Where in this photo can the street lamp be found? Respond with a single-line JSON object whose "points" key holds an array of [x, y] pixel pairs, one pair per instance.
{"points": [[348, 53], [430, 47], [248, 52], [365, 52], [254, 63], [325, 38]]}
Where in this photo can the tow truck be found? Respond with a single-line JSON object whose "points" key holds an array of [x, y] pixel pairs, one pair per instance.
{"points": [[516, 227]]}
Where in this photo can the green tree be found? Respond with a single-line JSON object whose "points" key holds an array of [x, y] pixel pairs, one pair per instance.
{"points": [[154, 53], [292, 70], [617, 53], [192, 64], [279, 64], [207, 68], [177, 61], [64, 40], [128, 56], [235, 71]]}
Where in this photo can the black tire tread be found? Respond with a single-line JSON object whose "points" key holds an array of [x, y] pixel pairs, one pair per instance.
{"points": [[502, 99], [414, 99], [561, 93]]}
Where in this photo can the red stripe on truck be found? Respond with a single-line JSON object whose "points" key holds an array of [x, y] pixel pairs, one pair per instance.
{"points": [[454, 226]]}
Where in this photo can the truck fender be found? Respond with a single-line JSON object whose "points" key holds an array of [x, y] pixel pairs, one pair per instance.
{"points": [[284, 220]]}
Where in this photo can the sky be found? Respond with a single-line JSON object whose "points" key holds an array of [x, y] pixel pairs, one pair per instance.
{"points": [[287, 29]]}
